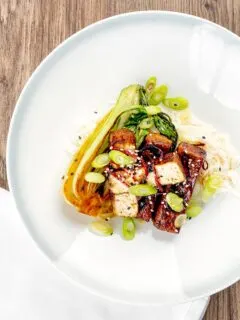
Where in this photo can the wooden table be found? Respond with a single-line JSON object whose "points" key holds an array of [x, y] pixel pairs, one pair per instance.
{"points": [[30, 29]]}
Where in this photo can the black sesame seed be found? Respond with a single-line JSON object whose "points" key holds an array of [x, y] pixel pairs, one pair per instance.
{"points": [[128, 208], [203, 137], [175, 104], [79, 137], [95, 112], [72, 173], [62, 177], [220, 169]]}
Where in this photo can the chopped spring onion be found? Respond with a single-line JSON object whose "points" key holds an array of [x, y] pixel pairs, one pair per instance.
{"points": [[150, 84], [100, 161], [120, 158], [193, 209], [152, 110], [146, 123], [211, 184], [101, 228], [178, 103], [180, 220], [158, 95], [213, 181], [175, 202], [142, 190], [128, 228], [94, 177]]}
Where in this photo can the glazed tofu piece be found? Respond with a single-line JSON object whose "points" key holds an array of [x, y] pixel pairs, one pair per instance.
{"points": [[193, 158], [121, 179], [170, 170], [191, 151], [122, 140], [125, 205], [159, 141], [146, 208], [115, 184], [151, 178], [165, 218]]}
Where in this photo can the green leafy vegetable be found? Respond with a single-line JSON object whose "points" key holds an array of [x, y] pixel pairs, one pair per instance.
{"points": [[97, 141], [143, 96], [146, 123], [165, 126], [134, 123], [135, 119], [140, 135]]}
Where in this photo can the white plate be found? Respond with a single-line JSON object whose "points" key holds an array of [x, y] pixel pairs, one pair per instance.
{"points": [[198, 60], [61, 299]]}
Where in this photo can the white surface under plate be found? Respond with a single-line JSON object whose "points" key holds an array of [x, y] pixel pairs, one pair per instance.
{"points": [[198, 60]]}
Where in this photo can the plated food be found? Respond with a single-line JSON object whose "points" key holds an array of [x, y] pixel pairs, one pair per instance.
{"points": [[148, 159]]}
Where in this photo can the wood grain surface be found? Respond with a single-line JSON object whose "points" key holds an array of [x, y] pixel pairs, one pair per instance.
{"points": [[30, 29]]}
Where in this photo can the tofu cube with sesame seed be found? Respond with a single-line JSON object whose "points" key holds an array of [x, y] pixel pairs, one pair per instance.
{"points": [[125, 205], [151, 179], [170, 170], [116, 186]]}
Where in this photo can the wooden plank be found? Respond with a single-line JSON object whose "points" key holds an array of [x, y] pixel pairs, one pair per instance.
{"points": [[30, 29]]}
